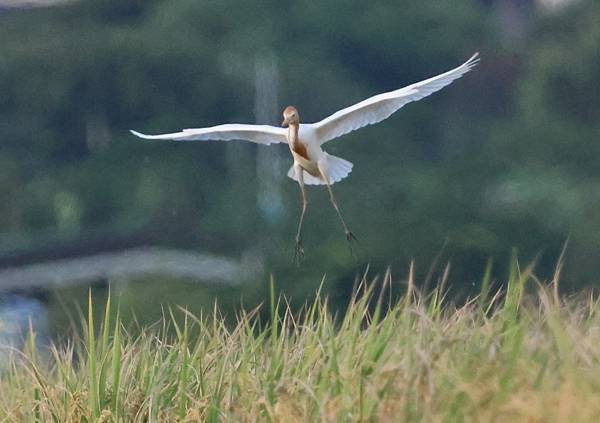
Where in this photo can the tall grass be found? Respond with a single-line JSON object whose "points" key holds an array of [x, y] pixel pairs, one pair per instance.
{"points": [[509, 356]]}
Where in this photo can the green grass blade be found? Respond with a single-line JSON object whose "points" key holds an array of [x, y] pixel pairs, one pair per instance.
{"points": [[94, 400], [116, 366]]}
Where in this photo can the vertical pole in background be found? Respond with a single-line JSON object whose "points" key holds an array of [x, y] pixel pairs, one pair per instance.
{"points": [[270, 170]]}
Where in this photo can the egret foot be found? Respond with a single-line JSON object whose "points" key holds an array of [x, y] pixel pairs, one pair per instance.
{"points": [[351, 239], [298, 252]]}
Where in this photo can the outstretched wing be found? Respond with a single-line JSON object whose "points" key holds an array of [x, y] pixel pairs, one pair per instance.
{"points": [[260, 134], [380, 107]]}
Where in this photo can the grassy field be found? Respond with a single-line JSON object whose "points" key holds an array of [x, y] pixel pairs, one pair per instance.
{"points": [[520, 355]]}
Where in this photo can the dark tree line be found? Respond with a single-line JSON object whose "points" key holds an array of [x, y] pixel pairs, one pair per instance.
{"points": [[506, 157]]}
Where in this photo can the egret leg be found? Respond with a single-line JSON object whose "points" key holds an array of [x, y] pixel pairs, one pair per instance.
{"points": [[299, 250], [349, 235]]}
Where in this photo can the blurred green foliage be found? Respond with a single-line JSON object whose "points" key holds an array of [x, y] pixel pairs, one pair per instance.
{"points": [[506, 157]]}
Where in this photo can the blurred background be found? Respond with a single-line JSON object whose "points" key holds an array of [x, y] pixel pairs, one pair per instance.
{"points": [[505, 159]]}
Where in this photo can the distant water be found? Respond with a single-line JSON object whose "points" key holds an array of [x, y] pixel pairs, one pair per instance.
{"points": [[19, 286], [16, 313]]}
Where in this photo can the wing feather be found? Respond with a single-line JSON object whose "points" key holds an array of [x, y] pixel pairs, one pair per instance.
{"points": [[380, 107], [260, 134]]}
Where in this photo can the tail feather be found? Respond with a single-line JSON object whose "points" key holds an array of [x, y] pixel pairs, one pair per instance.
{"points": [[337, 169]]}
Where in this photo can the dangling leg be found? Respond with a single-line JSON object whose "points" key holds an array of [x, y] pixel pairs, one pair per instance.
{"points": [[349, 235], [299, 250]]}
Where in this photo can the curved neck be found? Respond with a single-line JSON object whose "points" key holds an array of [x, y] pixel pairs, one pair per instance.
{"points": [[293, 133]]}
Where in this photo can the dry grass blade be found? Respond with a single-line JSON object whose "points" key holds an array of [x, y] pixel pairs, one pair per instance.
{"points": [[514, 356]]}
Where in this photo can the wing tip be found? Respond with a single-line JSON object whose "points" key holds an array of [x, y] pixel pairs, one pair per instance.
{"points": [[473, 61], [140, 135]]}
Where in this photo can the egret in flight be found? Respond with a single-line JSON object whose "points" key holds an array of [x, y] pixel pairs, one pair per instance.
{"points": [[312, 165]]}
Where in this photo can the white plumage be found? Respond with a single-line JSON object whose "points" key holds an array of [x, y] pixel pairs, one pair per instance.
{"points": [[338, 169], [312, 165], [313, 135], [260, 134], [380, 107]]}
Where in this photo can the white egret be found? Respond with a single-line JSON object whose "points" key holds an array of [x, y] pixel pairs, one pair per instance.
{"points": [[312, 165]]}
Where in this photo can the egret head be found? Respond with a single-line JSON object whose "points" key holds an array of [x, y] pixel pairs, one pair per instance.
{"points": [[290, 116]]}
